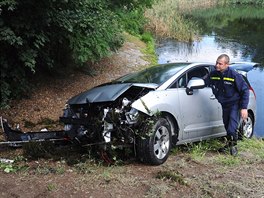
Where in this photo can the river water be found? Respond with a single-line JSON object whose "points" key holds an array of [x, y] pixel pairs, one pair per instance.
{"points": [[245, 43]]}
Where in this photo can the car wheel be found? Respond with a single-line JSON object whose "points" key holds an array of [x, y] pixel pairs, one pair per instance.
{"points": [[247, 128], [154, 148]]}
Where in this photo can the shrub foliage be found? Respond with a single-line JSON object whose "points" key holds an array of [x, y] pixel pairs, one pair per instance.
{"points": [[43, 35]]}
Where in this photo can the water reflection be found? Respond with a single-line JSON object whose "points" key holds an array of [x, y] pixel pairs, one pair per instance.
{"points": [[205, 50]]}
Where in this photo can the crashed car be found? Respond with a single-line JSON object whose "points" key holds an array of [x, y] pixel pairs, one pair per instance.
{"points": [[152, 110]]}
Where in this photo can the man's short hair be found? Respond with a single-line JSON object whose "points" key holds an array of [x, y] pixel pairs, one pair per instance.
{"points": [[225, 56]]}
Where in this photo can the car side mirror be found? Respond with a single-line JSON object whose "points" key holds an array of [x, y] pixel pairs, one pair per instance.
{"points": [[194, 83]]}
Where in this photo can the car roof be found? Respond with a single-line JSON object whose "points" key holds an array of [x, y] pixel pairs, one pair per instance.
{"points": [[244, 66]]}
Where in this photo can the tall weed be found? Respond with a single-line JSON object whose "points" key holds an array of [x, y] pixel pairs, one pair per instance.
{"points": [[165, 20]]}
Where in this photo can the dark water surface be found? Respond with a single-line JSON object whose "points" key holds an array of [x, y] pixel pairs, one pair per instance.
{"points": [[237, 32]]}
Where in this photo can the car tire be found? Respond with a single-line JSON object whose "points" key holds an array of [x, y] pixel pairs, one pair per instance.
{"points": [[154, 148], [246, 128]]}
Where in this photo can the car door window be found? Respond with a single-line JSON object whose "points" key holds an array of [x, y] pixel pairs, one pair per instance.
{"points": [[200, 72], [182, 81]]}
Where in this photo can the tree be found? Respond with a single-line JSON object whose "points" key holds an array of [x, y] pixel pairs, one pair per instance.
{"points": [[46, 34]]}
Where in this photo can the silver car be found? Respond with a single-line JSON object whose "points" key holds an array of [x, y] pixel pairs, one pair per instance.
{"points": [[151, 110]]}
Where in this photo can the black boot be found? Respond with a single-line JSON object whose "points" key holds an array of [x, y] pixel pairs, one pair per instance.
{"points": [[233, 144], [233, 148], [230, 146], [226, 148]]}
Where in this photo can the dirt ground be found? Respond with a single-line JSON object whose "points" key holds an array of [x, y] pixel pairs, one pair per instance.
{"points": [[74, 173]]}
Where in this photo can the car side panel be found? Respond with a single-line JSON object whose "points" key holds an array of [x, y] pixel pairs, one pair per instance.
{"points": [[252, 103], [197, 115], [200, 113]]}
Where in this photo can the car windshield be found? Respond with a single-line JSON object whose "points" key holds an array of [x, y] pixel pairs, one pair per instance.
{"points": [[155, 74]]}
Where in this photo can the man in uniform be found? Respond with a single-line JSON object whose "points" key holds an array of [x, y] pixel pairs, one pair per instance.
{"points": [[232, 92]]}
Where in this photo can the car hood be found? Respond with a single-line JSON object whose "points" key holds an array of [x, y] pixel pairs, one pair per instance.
{"points": [[105, 93]]}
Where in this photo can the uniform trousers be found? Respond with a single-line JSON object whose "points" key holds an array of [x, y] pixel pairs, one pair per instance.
{"points": [[231, 118]]}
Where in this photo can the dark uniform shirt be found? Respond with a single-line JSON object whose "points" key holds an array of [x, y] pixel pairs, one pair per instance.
{"points": [[229, 88]]}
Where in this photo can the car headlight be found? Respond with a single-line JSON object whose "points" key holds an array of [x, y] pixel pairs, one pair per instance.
{"points": [[132, 116]]}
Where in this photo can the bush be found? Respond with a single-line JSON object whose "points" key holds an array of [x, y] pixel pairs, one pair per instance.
{"points": [[132, 21]]}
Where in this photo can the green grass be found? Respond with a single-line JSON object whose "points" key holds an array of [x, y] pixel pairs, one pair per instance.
{"points": [[254, 146], [228, 13], [149, 51], [171, 175], [51, 187], [198, 150], [88, 166], [46, 169], [17, 165], [157, 191], [249, 151], [227, 160], [147, 46]]}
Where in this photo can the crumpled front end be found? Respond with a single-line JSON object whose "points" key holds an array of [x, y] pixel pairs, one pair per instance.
{"points": [[104, 122]]}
